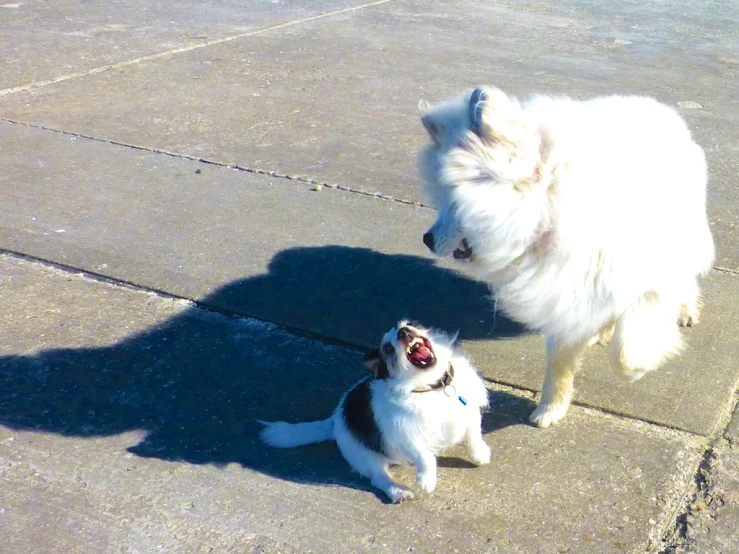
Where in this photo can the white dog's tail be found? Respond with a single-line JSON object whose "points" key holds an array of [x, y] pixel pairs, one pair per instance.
{"points": [[646, 335], [281, 434]]}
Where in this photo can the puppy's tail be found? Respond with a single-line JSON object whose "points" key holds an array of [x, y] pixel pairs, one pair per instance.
{"points": [[281, 434], [645, 336]]}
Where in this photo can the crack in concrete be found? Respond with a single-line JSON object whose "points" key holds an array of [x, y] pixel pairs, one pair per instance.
{"points": [[189, 48], [710, 506], [676, 534], [317, 185], [703, 495]]}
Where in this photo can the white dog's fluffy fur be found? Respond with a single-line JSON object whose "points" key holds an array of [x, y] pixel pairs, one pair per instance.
{"points": [[586, 218], [406, 413]]}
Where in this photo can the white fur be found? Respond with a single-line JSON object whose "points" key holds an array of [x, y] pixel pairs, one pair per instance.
{"points": [[587, 219], [415, 426]]}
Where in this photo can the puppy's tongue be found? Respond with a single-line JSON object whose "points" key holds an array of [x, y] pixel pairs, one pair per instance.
{"points": [[421, 356]]}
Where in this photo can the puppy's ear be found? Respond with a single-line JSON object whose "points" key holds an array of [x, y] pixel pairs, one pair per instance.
{"points": [[372, 361], [375, 364], [432, 127]]}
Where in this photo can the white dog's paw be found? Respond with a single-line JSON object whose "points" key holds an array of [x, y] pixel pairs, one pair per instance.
{"points": [[689, 315], [479, 453], [630, 375], [548, 414], [427, 481], [398, 494], [604, 337]]}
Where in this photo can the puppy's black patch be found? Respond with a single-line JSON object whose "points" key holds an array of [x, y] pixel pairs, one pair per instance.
{"points": [[359, 417], [382, 371]]}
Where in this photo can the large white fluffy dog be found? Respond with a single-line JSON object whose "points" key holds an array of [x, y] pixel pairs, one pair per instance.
{"points": [[587, 219]]}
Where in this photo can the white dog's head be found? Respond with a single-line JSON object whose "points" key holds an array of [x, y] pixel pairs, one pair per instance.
{"points": [[409, 352], [483, 159]]}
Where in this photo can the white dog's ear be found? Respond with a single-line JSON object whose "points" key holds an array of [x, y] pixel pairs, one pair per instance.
{"points": [[375, 364], [477, 103], [499, 120], [491, 112]]}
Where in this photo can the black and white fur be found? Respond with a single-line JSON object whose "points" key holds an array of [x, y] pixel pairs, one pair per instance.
{"points": [[392, 417]]}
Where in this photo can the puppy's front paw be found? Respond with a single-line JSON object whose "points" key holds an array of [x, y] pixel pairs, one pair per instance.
{"points": [[398, 494], [427, 481], [548, 414], [480, 453]]}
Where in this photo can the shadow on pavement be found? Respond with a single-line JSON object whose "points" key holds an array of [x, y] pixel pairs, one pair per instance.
{"points": [[355, 294], [197, 382]]}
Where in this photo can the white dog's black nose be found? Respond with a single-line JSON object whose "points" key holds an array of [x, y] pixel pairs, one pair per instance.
{"points": [[428, 240]]}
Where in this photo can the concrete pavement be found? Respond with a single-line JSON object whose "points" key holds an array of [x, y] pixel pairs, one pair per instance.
{"points": [[130, 421], [173, 152]]}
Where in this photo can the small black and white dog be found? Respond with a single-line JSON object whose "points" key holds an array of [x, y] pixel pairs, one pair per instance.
{"points": [[422, 397]]}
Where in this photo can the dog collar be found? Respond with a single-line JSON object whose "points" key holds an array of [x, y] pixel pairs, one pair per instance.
{"points": [[445, 384]]}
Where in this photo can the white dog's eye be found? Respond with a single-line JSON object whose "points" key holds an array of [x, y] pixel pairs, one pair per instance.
{"points": [[388, 349]]}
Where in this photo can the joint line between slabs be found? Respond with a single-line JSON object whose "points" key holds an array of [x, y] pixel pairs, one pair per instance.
{"points": [[225, 312], [726, 270], [727, 416], [234, 166], [174, 51]]}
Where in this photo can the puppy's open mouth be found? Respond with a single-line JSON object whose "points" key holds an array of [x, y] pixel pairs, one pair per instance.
{"points": [[420, 353], [464, 252]]}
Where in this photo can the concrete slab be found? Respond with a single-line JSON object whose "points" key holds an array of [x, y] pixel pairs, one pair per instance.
{"points": [[732, 431], [127, 423], [44, 41], [335, 99], [690, 392], [328, 262], [711, 524]]}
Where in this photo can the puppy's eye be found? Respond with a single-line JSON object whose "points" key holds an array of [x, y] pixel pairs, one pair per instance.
{"points": [[388, 349]]}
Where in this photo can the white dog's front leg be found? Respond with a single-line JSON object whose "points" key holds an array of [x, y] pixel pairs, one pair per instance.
{"points": [[556, 394], [425, 470]]}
